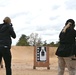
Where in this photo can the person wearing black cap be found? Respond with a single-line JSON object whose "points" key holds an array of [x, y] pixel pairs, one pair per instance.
{"points": [[6, 32], [66, 50]]}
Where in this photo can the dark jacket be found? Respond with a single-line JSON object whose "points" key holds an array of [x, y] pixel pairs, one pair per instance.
{"points": [[6, 32], [67, 43]]}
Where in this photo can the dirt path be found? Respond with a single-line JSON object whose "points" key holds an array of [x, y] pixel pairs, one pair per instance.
{"points": [[27, 69], [23, 60]]}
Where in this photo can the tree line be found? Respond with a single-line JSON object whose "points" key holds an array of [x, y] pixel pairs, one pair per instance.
{"points": [[34, 40]]}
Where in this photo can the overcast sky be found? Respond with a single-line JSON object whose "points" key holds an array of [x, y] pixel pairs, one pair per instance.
{"points": [[45, 17]]}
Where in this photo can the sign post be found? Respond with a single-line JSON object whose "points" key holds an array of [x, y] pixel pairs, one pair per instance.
{"points": [[41, 57]]}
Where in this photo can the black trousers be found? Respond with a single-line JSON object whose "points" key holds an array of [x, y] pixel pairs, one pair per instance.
{"points": [[6, 54]]}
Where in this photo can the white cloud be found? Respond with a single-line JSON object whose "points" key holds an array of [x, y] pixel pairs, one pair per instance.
{"points": [[46, 17]]}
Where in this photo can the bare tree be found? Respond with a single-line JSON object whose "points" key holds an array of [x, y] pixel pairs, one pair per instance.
{"points": [[34, 40]]}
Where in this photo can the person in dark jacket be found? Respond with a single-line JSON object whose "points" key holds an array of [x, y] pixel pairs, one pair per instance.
{"points": [[66, 50], [6, 32]]}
